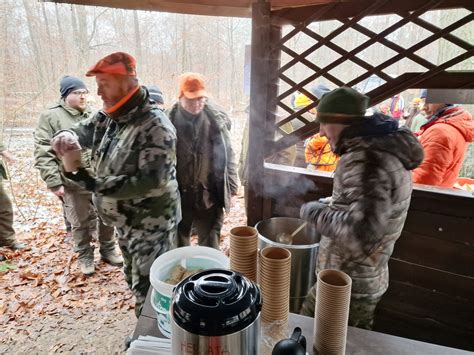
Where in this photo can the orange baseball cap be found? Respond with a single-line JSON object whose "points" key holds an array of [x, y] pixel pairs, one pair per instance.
{"points": [[191, 86], [120, 63]]}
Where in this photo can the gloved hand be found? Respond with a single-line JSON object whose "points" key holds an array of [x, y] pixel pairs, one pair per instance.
{"points": [[83, 177], [63, 142], [310, 211]]}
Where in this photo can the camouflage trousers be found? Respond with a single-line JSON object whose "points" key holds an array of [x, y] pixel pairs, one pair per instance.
{"points": [[361, 311], [139, 249], [79, 212], [7, 233]]}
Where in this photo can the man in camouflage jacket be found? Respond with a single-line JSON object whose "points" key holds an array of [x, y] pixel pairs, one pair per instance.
{"points": [[370, 199], [206, 168], [133, 157], [71, 109], [7, 233]]}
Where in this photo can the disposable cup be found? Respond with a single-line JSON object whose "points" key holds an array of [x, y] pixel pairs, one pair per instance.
{"points": [[243, 251], [333, 290], [72, 160]]}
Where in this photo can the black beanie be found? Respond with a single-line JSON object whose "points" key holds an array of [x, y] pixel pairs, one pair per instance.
{"points": [[70, 83], [156, 94]]}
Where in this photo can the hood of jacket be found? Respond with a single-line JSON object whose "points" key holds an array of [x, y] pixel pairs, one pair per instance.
{"points": [[381, 133], [458, 118]]}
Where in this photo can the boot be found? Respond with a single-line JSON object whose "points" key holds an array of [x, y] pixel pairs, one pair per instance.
{"points": [[15, 245], [86, 263], [112, 257]]}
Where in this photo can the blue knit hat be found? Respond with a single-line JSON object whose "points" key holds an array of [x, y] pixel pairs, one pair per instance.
{"points": [[70, 83]]}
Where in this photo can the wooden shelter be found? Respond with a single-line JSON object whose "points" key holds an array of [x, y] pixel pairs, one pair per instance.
{"points": [[431, 293]]}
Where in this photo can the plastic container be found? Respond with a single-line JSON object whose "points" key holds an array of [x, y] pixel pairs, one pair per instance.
{"points": [[191, 258]]}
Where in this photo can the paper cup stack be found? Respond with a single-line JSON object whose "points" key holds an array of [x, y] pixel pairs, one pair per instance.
{"points": [[274, 280], [243, 251], [333, 295]]}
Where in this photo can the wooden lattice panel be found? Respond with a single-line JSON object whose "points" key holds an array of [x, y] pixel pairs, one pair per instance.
{"points": [[331, 58]]}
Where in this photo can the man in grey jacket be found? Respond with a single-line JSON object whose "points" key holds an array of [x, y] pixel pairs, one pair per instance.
{"points": [[370, 199], [206, 167]]}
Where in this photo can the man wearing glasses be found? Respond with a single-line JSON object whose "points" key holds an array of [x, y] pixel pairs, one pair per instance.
{"points": [[206, 167], [71, 109]]}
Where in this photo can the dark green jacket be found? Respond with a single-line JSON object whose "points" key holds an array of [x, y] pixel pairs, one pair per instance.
{"points": [[225, 167], [56, 118]]}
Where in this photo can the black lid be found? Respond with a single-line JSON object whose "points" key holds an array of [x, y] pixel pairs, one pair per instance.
{"points": [[215, 302]]}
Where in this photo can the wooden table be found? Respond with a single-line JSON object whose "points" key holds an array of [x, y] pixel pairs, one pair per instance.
{"points": [[359, 341]]}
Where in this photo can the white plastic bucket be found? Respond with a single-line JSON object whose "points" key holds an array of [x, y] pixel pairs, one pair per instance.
{"points": [[191, 258]]}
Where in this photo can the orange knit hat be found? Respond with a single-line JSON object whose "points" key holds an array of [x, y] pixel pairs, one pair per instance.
{"points": [[116, 63], [191, 86]]}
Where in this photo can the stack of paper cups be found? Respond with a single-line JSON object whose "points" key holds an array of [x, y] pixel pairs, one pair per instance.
{"points": [[274, 280], [243, 251], [333, 295]]}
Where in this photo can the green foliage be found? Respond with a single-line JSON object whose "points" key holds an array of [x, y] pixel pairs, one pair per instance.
{"points": [[6, 266]]}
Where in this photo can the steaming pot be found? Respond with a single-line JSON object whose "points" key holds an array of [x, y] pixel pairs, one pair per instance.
{"points": [[216, 311], [304, 253]]}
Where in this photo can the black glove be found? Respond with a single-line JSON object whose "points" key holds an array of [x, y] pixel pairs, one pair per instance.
{"points": [[82, 177], [310, 211]]}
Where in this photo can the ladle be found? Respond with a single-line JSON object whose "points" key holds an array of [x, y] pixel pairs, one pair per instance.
{"points": [[287, 238]]}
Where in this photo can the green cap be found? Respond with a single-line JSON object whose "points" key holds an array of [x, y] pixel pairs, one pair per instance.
{"points": [[342, 105]]}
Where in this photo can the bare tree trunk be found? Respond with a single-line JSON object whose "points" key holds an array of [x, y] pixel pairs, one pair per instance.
{"points": [[62, 40], [138, 41], [3, 62], [81, 14], [50, 42], [75, 36], [218, 66], [183, 43], [34, 40]]}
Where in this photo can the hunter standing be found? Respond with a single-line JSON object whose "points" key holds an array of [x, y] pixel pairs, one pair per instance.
{"points": [[206, 167], [133, 156], [77, 201]]}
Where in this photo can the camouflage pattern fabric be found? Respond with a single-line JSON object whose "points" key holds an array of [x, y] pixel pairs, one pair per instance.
{"points": [[56, 118], [139, 249], [7, 233], [370, 199], [134, 160], [361, 311]]}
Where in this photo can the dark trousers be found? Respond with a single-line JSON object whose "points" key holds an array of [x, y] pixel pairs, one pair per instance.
{"points": [[208, 224]]}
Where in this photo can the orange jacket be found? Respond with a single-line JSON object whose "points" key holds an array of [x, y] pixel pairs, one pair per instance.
{"points": [[445, 142], [318, 152]]}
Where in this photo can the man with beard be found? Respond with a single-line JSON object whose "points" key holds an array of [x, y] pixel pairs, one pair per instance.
{"points": [[133, 157]]}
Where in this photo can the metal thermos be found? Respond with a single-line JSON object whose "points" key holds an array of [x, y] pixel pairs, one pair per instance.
{"points": [[216, 311]]}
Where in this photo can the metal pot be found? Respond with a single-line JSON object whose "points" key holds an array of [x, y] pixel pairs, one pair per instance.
{"points": [[304, 253], [216, 312]]}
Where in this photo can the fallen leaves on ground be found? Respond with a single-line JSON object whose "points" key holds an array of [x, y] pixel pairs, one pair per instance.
{"points": [[43, 281]]}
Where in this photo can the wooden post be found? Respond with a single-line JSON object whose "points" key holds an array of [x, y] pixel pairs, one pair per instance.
{"points": [[259, 107]]}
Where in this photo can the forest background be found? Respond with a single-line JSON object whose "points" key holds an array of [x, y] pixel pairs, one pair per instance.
{"points": [[39, 44]]}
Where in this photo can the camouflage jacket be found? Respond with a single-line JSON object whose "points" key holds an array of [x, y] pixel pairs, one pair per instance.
{"points": [[133, 155], [370, 199], [56, 118], [224, 168]]}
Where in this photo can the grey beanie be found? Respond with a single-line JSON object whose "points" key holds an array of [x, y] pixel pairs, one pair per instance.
{"points": [[70, 83]]}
